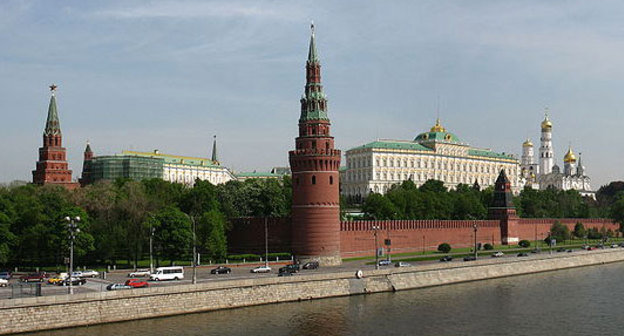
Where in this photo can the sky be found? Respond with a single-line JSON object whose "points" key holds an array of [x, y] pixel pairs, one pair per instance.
{"points": [[168, 75]]}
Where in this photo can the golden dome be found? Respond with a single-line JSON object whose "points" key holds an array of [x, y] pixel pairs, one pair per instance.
{"points": [[569, 157], [437, 127], [546, 124], [527, 143]]}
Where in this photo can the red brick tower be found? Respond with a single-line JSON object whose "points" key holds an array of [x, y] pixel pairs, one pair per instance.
{"points": [[314, 164], [502, 208], [86, 166], [52, 166]]}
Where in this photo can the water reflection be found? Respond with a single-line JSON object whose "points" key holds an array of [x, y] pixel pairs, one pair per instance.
{"points": [[572, 302]]}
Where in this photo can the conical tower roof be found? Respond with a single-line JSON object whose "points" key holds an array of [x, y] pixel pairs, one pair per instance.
{"points": [[53, 125], [312, 53]]}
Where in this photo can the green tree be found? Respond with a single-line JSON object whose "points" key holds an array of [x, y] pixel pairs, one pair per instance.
{"points": [[444, 248], [211, 234], [559, 232], [172, 232], [579, 230]]}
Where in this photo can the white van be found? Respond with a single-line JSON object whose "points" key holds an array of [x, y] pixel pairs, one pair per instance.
{"points": [[168, 273]]}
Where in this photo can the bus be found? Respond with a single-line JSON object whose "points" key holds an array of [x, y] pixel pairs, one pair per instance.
{"points": [[168, 273]]}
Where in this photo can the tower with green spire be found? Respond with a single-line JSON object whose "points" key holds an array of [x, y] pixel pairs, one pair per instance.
{"points": [[314, 164], [214, 158], [52, 167]]}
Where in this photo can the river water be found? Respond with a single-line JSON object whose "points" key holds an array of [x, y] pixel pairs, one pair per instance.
{"points": [[582, 301]]}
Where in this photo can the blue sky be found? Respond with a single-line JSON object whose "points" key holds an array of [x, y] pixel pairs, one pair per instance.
{"points": [[169, 75]]}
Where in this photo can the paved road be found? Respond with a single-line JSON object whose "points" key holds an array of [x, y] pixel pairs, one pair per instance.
{"points": [[243, 272]]}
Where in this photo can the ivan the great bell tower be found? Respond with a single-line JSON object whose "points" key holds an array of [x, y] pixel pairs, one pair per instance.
{"points": [[314, 164]]}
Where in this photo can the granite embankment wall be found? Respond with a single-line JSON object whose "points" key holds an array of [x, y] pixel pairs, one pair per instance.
{"points": [[22, 315]]}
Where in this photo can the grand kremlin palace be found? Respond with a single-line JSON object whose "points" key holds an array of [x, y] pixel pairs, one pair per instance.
{"points": [[437, 154]]}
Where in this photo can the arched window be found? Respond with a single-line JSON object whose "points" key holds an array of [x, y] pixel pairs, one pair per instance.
{"points": [[313, 179]]}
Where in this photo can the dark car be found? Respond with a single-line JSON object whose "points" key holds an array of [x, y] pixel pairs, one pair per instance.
{"points": [[561, 249], [470, 258], [221, 270], [536, 251], [311, 265], [74, 282], [292, 268], [285, 274], [117, 286], [6, 275], [33, 277], [523, 254], [136, 283], [446, 258]]}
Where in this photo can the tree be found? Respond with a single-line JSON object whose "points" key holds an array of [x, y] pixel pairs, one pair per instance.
{"points": [[173, 232], [211, 234], [617, 211], [579, 230], [559, 232], [444, 248]]}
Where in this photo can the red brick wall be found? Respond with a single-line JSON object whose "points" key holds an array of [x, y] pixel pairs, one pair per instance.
{"points": [[357, 237]]}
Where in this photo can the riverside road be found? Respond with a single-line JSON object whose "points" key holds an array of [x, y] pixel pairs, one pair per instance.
{"points": [[243, 272]]}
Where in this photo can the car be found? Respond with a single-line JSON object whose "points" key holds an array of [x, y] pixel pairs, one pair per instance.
{"points": [[74, 282], [585, 247], [497, 254], [90, 274], [261, 269], [58, 278], [599, 246], [117, 286], [285, 273], [4, 282], [221, 270], [470, 258], [402, 264], [614, 245], [33, 277], [536, 250], [569, 251], [446, 258], [292, 268], [621, 244], [136, 283], [311, 265], [523, 254], [139, 273], [590, 248], [6, 275], [77, 274], [561, 249], [384, 262]]}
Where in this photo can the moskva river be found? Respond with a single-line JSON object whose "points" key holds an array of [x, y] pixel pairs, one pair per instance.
{"points": [[582, 301]]}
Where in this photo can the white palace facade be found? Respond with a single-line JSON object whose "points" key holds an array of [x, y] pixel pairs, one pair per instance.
{"points": [[437, 154]]}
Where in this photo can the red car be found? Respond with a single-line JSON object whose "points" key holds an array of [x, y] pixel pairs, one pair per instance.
{"points": [[136, 283], [34, 277]]}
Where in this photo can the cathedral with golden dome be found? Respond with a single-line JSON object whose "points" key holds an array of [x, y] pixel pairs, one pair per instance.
{"points": [[545, 172]]}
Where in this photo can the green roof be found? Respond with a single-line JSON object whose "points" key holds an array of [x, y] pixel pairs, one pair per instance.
{"points": [[489, 154], [53, 125], [438, 137], [176, 159], [258, 175], [395, 145]]}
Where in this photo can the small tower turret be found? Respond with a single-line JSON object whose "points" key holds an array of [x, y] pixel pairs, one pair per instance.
{"points": [[214, 158]]}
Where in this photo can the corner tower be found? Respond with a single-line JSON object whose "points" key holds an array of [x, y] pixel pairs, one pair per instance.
{"points": [[52, 165], [314, 164]]}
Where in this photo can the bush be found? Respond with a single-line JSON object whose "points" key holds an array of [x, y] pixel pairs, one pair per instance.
{"points": [[240, 257], [444, 248], [524, 243], [488, 247]]}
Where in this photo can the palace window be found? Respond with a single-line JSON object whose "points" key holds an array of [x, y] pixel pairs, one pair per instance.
{"points": [[313, 179]]}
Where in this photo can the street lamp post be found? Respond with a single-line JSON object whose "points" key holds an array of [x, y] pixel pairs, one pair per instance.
{"points": [[152, 230], [474, 226], [266, 243], [72, 226], [375, 228], [194, 252]]}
